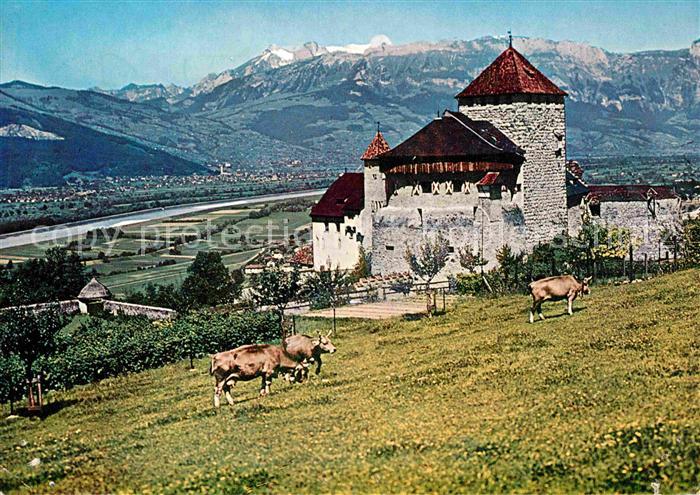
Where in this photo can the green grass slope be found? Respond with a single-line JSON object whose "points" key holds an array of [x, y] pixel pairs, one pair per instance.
{"points": [[478, 400]]}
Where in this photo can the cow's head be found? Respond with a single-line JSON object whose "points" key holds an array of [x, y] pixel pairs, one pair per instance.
{"points": [[324, 344], [585, 289]]}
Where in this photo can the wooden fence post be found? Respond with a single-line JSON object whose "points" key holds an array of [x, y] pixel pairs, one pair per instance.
{"points": [[631, 263], [646, 265]]}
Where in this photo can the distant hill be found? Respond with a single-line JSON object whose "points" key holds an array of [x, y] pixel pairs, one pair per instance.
{"points": [[320, 104], [75, 148]]}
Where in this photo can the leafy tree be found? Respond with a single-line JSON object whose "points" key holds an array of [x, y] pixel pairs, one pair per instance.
{"points": [[59, 276], [363, 267], [427, 262], [690, 241], [326, 288], [430, 258], [509, 264], [11, 380], [208, 282], [277, 288], [164, 296], [470, 261], [29, 335]]}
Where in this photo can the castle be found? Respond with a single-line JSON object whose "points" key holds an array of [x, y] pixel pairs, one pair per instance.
{"points": [[493, 173]]}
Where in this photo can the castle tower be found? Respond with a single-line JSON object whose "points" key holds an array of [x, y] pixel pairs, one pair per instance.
{"points": [[375, 184], [526, 106]]}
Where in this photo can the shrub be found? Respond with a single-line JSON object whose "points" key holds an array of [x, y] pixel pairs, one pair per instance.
{"points": [[691, 241], [468, 284], [100, 348], [11, 379]]}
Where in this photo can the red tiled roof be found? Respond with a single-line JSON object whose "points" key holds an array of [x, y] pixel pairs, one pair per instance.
{"points": [[489, 179], [345, 197], [304, 256], [510, 74], [376, 147], [455, 137], [633, 192]]}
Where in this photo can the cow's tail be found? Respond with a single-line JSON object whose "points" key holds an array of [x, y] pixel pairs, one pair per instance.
{"points": [[211, 365]]}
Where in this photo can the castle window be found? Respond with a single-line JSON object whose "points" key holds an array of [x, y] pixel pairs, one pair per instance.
{"points": [[450, 249], [425, 187], [389, 248], [557, 152], [595, 209], [417, 190], [327, 225], [435, 187], [449, 187]]}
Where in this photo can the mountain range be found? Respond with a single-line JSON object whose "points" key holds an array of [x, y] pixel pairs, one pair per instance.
{"points": [[320, 105]]}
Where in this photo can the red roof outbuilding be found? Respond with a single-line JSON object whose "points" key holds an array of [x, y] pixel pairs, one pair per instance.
{"points": [[510, 74], [345, 197], [632, 192]]}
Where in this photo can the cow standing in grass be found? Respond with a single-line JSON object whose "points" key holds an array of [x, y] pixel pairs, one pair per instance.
{"points": [[306, 350], [246, 363], [556, 289]]}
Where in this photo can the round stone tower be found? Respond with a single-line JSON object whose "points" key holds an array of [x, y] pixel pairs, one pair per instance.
{"points": [[527, 107]]}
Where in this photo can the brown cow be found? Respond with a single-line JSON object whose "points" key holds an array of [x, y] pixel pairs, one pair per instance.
{"points": [[305, 350], [246, 363], [556, 289]]}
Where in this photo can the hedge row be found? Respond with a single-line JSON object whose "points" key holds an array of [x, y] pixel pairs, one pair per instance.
{"points": [[99, 348]]}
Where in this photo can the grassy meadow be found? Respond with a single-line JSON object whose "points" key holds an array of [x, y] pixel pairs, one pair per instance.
{"points": [[477, 400]]}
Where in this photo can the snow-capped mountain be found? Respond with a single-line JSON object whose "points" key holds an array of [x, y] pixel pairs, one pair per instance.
{"points": [[28, 132], [170, 93], [320, 104]]}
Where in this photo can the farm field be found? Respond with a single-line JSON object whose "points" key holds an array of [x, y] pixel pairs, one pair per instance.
{"points": [[136, 257], [476, 400]]}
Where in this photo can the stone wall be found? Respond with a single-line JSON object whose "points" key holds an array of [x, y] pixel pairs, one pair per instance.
{"points": [[128, 309], [375, 198], [646, 228], [488, 223], [539, 128], [70, 307]]}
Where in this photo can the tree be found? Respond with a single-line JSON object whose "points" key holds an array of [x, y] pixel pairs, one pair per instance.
{"points": [[470, 261], [29, 335], [690, 241], [11, 380], [363, 267], [59, 276], [427, 262], [276, 287], [326, 288], [208, 282]]}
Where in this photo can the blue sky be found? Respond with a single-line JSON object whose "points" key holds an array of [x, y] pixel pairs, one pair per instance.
{"points": [[81, 44]]}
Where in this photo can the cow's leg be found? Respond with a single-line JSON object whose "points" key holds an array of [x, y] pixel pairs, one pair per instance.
{"points": [[532, 311], [227, 391], [217, 393], [263, 386], [570, 308], [539, 310], [305, 371]]}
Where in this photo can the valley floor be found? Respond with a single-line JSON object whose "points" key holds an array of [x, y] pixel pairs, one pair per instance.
{"points": [[477, 400]]}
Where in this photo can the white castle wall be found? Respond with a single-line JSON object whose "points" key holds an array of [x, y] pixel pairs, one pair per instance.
{"points": [[538, 125], [336, 244]]}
